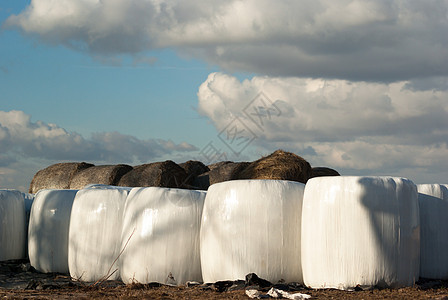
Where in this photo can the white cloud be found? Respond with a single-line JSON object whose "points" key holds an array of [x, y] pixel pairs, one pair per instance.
{"points": [[356, 40], [27, 145], [359, 127]]}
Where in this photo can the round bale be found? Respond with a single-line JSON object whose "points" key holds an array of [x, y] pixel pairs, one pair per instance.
{"points": [[323, 171], [57, 176], [107, 174], [158, 174], [279, 165]]}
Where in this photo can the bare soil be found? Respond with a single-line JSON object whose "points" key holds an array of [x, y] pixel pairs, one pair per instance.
{"points": [[20, 281]]}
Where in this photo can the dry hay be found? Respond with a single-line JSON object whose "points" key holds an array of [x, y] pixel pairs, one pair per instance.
{"points": [[107, 174], [193, 168], [219, 164], [323, 171], [278, 165], [161, 174], [219, 172], [57, 176]]}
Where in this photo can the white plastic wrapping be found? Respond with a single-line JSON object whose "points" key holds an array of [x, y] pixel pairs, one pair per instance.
{"points": [[95, 232], [433, 202], [29, 199], [161, 236], [252, 226], [12, 225], [360, 231], [48, 230]]}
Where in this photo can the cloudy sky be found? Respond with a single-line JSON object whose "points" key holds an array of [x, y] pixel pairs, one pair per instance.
{"points": [[360, 86]]}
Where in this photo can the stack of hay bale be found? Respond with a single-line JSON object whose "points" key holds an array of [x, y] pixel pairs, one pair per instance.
{"points": [[194, 175], [294, 222]]}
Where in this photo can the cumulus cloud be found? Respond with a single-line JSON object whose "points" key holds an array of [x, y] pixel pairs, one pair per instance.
{"points": [[48, 141], [23, 140], [355, 40], [360, 127]]}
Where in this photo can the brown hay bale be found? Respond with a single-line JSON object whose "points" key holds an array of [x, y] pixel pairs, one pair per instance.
{"points": [[107, 174], [323, 171], [193, 168], [219, 164], [161, 174], [57, 176], [279, 165], [222, 171], [202, 181], [226, 171]]}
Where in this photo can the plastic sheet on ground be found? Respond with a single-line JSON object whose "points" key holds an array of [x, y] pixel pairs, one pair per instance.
{"points": [[161, 236], [252, 226], [48, 230], [433, 202], [95, 232], [275, 293], [12, 225], [360, 231]]}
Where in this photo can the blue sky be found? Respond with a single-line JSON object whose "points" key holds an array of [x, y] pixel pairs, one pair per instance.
{"points": [[358, 86], [80, 93]]}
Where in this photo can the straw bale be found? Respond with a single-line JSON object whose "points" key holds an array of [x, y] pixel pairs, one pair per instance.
{"points": [[106, 174], [323, 171], [159, 174], [279, 165], [193, 168], [57, 176], [222, 171]]}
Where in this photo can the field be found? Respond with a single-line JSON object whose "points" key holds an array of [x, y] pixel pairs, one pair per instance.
{"points": [[20, 281]]}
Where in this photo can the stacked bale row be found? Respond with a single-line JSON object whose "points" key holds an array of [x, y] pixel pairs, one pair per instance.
{"points": [[351, 231], [279, 165], [108, 232], [76, 176]]}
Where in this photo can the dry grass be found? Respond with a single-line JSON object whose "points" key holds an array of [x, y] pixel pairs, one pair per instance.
{"points": [[279, 165], [57, 176], [323, 171], [160, 174], [106, 174], [153, 291]]}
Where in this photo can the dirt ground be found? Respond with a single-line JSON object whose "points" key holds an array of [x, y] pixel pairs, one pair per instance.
{"points": [[20, 281]]}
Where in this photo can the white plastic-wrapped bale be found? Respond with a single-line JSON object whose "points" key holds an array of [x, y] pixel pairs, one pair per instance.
{"points": [[252, 226], [12, 225], [360, 231], [433, 202], [29, 198], [161, 236], [95, 232], [48, 230]]}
